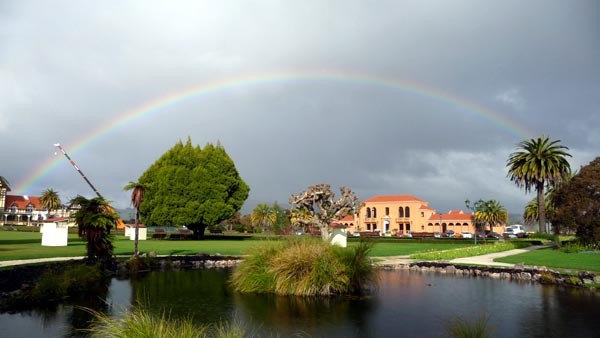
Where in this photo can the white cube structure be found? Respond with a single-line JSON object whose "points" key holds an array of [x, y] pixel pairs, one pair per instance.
{"points": [[339, 235], [142, 232], [55, 232]]}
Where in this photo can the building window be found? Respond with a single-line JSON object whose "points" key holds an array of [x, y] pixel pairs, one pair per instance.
{"points": [[368, 226], [422, 227], [368, 212], [422, 214], [29, 209], [374, 213], [400, 212], [407, 212], [13, 209], [430, 225], [387, 211]]}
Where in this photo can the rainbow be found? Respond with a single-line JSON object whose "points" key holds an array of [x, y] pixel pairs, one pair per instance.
{"points": [[174, 98]]}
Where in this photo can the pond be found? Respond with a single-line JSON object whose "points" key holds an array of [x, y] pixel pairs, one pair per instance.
{"points": [[407, 304]]}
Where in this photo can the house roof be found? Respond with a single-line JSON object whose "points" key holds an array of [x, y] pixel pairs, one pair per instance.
{"points": [[452, 215], [4, 183], [393, 198], [425, 207], [56, 219], [22, 201], [348, 218]]}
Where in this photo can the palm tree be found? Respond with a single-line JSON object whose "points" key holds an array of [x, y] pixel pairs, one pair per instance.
{"points": [[538, 163], [95, 218], [491, 213], [137, 196], [50, 200], [263, 215]]}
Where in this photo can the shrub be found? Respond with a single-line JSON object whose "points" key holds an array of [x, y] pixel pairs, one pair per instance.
{"points": [[547, 278], [572, 247], [304, 267]]}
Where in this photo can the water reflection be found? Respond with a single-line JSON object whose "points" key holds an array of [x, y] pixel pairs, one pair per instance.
{"points": [[406, 304]]}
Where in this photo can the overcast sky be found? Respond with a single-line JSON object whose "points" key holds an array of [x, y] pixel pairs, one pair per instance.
{"points": [[426, 98]]}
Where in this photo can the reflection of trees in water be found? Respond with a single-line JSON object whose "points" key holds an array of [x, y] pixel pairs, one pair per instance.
{"points": [[202, 295], [562, 312], [286, 314], [72, 313]]}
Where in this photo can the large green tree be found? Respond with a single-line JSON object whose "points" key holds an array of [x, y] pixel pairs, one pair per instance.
{"points": [[538, 163], [137, 196], [193, 187], [50, 200], [577, 204], [94, 218]]}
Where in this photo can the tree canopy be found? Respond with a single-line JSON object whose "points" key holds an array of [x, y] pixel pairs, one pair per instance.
{"points": [[577, 204], [536, 164], [193, 187], [94, 218], [50, 200]]}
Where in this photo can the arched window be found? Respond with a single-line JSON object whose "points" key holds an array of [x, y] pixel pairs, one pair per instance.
{"points": [[407, 212], [465, 225], [400, 212], [374, 213], [368, 212], [430, 225], [13, 209]]}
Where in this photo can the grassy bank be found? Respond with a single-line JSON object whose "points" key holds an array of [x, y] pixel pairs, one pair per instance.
{"points": [[25, 245], [552, 258], [469, 251]]}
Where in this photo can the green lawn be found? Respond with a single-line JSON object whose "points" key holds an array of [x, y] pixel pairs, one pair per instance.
{"points": [[24, 245], [555, 259]]}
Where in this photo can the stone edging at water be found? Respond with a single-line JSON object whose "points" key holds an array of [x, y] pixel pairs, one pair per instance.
{"points": [[519, 272]]}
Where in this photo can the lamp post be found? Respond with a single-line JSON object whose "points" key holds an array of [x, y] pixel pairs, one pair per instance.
{"points": [[474, 208]]}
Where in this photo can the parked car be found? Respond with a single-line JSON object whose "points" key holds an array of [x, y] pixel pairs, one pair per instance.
{"points": [[466, 234], [450, 234], [299, 233], [356, 234], [481, 234], [518, 230], [508, 233], [493, 235], [437, 234]]}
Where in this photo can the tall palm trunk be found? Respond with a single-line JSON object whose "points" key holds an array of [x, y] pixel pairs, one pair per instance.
{"points": [[541, 207], [137, 232]]}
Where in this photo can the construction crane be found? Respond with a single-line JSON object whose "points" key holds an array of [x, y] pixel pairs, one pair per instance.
{"points": [[120, 224]]}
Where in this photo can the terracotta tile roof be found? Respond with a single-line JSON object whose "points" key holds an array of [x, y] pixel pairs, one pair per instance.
{"points": [[56, 219], [21, 202], [394, 198], [349, 218], [452, 215], [425, 207]]}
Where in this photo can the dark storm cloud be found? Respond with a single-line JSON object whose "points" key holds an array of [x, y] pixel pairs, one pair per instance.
{"points": [[67, 69]]}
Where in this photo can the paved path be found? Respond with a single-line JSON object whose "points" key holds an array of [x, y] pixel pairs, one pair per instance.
{"points": [[487, 260], [37, 260]]}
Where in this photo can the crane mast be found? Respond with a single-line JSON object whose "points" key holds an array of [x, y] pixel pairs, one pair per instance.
{"points": [[57, 145], [120, 224]]}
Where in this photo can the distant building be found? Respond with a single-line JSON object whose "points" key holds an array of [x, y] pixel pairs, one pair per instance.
{"points": [[23, 209], [399, 214]]}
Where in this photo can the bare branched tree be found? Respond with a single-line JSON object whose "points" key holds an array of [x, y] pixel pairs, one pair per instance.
{"points": [[319, 202]]}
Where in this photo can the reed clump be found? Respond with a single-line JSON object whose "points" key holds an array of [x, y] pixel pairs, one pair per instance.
{"points": [[305, 267]]}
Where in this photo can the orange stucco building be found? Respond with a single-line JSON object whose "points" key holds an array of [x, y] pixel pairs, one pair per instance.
{"points": [[399, 214]]}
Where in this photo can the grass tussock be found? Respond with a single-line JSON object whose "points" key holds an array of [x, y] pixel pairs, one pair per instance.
{"points": [[142, 324], [459, 328], [305, 267]]}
